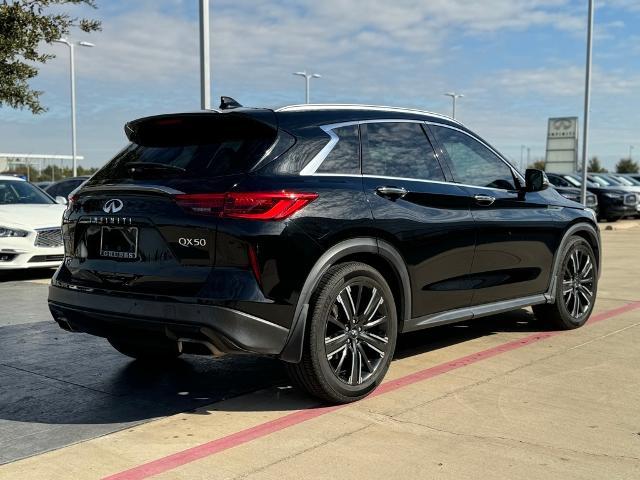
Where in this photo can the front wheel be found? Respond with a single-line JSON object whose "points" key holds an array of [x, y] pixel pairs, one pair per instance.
{"points": [[576, 287], [351, 335]]}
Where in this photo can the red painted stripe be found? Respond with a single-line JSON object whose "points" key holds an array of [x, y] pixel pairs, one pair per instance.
{"points": [[189, 455]]}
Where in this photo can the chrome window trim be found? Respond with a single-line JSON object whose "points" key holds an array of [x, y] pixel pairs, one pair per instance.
{"points": [[312, 167]]}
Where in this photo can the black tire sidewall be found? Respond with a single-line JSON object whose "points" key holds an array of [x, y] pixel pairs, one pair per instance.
{"points": [[323, 303]]}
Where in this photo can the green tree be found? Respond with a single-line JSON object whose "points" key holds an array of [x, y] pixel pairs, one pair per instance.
{"points": [[594, 166], [24, 24], [627, 165], [540, 164]]}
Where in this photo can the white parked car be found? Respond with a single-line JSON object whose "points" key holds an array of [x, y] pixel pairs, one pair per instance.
{"points": [[30, 220]]}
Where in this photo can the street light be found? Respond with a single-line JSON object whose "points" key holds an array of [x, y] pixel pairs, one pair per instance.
{"points": [[631, 152], [587, 103], [72, 68], [454, 96], [307, 77], [205, 59]]}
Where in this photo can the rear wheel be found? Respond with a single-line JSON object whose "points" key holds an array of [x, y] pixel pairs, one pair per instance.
{"points": [[576, 287], [351, 335], [148, 351]]}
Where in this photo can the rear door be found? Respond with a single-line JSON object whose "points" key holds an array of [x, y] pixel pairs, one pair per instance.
{"points": [[416, 209], [516, 236]]}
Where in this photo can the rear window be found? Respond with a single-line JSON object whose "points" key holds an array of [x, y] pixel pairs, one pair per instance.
{"points": [[190, 147]]}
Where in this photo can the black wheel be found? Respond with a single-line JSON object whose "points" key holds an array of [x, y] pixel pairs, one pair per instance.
{"points": [[146, 350], [576, 287], [350, 337]]}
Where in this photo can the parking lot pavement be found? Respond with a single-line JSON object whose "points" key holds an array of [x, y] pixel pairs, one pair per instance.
{"points": [[494, 398]]}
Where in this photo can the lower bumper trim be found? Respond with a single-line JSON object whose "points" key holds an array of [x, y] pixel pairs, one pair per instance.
{"points": [[228, 330]]}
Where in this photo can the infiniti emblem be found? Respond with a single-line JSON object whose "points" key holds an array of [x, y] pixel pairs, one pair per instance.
{"points": [[113, 206]]}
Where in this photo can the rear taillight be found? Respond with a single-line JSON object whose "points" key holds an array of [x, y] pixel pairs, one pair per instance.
{"points": [[248, 205]]}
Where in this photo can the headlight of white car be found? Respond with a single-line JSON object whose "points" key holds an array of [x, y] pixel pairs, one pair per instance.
{"points": [[12, 232]]}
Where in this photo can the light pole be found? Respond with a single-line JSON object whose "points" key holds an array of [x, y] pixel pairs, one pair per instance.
{"points": [[205, 70], [307, 77], [587, 101], [454, 96], [522, 166], [72, 69], [630, 152]]}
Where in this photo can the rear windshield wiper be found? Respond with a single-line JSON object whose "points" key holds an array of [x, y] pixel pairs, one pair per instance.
{"points": [[137, 166]]}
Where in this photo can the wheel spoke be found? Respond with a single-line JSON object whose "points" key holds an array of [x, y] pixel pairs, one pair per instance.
{"points": [[373, 303], [586, 296], [354, 376], [335, 344], [375, 342], [567, 286], [351, 304], [341, 361], [346, 305], [376, 322], [576, 306], [333, 318], [365, 358], [358, 299]]}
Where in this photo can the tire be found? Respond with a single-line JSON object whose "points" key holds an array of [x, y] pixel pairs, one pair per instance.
{"points": [[146, 351], [362, 344], [575, 292]]}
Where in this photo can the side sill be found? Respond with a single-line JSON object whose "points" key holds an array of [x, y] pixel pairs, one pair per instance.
{"points": [[469, 313]]}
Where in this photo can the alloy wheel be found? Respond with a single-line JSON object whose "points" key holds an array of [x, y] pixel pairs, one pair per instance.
{"points": [[356, 340], [578, 282]]}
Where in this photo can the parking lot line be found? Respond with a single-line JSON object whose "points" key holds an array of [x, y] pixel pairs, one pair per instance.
{"points": [[189, 455]]}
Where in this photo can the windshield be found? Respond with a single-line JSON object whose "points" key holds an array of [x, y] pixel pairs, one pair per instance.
{"points": [[600, 181], [626, 181], [13, 192], [577, 182]]}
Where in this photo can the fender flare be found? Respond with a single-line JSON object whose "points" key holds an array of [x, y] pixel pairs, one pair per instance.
{"points": [[292, 351], [593, 233]]}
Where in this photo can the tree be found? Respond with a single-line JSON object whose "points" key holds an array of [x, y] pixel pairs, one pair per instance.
{"points": [[627, 165], [23, 26], [539, 164], [595, 167]]}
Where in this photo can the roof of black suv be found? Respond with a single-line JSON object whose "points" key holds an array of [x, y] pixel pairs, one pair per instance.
{"points": [[299, 116]]}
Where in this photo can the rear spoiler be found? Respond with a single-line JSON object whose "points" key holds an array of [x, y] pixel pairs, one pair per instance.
{"points": [[198, 127]]}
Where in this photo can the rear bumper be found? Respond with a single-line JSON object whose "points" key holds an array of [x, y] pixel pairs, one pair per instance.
{"points": [[224, 330]]}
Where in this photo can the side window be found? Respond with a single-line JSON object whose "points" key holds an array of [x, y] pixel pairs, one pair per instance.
{"points": [[399, 149], [345, 156], [472, 162]]}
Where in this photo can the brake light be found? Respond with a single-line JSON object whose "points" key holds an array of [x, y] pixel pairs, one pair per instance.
{"points": [[248, 205]]}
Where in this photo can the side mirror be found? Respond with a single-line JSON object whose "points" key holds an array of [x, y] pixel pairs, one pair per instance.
{"points": [[61, 200], [536, 180]]}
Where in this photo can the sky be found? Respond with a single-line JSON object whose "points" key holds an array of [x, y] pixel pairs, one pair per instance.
{"points": [[518, 62]]}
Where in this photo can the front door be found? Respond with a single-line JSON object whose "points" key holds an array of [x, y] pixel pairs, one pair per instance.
{"points": [[515, 236]]}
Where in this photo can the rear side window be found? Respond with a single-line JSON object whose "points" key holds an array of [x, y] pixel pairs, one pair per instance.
{"points": [[191, 148], [472, 162], [399, 149], [345, 155]]}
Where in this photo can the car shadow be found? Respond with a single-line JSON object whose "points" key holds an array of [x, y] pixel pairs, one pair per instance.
{"points": [[54, 377]]}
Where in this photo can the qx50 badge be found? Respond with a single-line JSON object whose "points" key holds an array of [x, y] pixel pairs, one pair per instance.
{"points": [[113, 206]]}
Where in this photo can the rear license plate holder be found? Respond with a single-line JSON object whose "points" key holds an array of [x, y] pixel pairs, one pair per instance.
{"points": [[119, 243]]}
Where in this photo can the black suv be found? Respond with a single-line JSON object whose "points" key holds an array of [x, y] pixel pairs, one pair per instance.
{"points": [[314, 234]]}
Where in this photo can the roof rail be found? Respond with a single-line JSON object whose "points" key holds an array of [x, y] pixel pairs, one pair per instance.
{"points": [[347, 106]]}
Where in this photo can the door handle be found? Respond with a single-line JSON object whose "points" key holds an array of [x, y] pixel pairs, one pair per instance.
{"points": [[484, 200], [392, 192]]}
